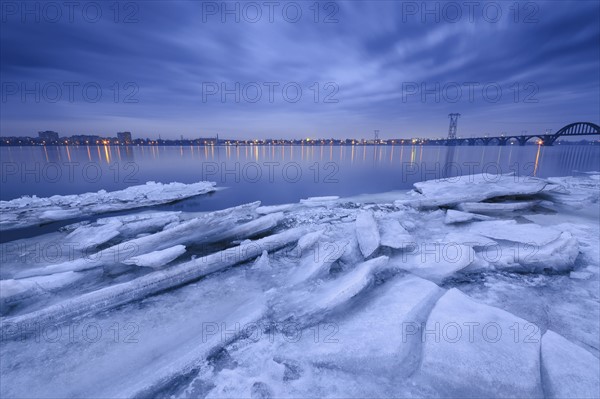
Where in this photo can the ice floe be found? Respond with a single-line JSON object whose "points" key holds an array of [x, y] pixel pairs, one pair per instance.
{"points": [[367, 233], [29, 211], [157, 259], [453, 216], [568, 370], [469, 350], [437, 261], [471, 188], [496, 207], [393, 235]]}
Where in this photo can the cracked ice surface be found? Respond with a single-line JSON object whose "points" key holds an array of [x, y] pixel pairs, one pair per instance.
{"points": [[478, 286]]}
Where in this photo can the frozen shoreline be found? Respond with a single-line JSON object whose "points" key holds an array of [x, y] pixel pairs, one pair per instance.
{"points": [[375, 290]]}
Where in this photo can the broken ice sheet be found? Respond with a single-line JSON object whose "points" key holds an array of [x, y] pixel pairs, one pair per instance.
{"points": [[157, 259], [263, 271], [471, 188], [501, 365], [30, 211]]}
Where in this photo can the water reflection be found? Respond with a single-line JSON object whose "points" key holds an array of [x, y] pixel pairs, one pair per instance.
{"points": [[359, 168]]}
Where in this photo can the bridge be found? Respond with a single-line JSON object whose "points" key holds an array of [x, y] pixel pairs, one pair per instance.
{"points": [[573, 129]]}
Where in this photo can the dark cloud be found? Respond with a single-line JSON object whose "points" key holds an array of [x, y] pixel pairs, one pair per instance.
{"points": [[366, 67]]}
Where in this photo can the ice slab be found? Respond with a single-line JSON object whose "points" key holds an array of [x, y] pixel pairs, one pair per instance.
{"points": [[147, 223], [367, 233], [470, 188], [264, 210], [535, 248], [181, 359], [30, 211], [319, 201], [510, 230], [316, 261], [87, 236], [327, 198], [13, 291], [436, 261], [470, 350], [581, 275], [309, 240], [17, 290], [393, 235], [496, 207], [262, 263], [559, 255], [157, 259], [568, 370], [307, 307], [453, 216], [381, 335], [576, 192], [470, 239]]}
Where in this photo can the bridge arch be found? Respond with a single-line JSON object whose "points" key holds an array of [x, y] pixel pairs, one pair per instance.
{"points": [[578, 129]]}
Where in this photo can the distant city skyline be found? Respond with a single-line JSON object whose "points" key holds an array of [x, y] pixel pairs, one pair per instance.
{"points": [[341, 70], [571, 133]]}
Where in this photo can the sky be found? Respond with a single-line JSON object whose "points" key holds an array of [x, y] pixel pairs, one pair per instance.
{"points": [[297, 69]]}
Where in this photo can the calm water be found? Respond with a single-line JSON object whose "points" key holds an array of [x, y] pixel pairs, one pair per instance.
{"points": [[273, 175]]}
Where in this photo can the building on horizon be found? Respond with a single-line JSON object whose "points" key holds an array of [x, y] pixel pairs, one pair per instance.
{"points": [[84, 139], [48, 135], [124, 137]]}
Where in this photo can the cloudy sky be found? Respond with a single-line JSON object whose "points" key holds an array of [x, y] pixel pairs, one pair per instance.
{"points": [[298, 69]]}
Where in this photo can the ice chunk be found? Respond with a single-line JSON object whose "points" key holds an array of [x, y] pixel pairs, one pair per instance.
{"points": [[264, 210], [380, 336], [453, 216], [496, 207], [367, 233], [470, 239], [87, 236], [29, 211], [559, 255], [309, 240], [49, 215], [581, 275], [12, 291], [137, 217], [470, 188], [147, 222], [568, 370], [437, 261], [319, 201], [157, 259], [308, 307], [509, 230], [471, 350], [262, 263], [16, 290], [182, 354], [535, 248], [317, 261], [393, 235], [157, 281]]}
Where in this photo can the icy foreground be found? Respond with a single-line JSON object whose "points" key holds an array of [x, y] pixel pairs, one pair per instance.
{"points": [[31, 211], [478, 286]]}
